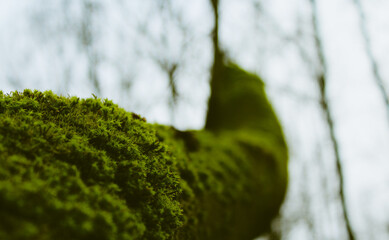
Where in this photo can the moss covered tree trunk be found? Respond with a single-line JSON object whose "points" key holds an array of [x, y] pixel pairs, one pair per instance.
{"points": [[75, 168]]}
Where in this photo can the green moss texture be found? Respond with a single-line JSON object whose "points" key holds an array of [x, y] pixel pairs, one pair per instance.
{"points": [[75, 168]]}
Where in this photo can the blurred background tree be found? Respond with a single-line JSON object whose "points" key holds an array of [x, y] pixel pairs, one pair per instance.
{"points": [[322, 62]]}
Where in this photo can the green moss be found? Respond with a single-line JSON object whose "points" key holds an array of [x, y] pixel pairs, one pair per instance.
{"points": [[238, 101], [82, 169], [75, 168]]}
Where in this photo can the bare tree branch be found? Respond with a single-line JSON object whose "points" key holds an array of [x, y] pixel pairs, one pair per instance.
{"points": [[215, 32], [87, 40], [321, 78], [369, 51], [168, 63]]}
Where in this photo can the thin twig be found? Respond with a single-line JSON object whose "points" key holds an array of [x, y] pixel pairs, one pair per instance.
{"points": [[322, 83], [369, 51]]}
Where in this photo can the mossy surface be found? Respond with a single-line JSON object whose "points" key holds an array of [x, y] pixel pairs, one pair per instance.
{"points": [[75, 168], [82, 169]]}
